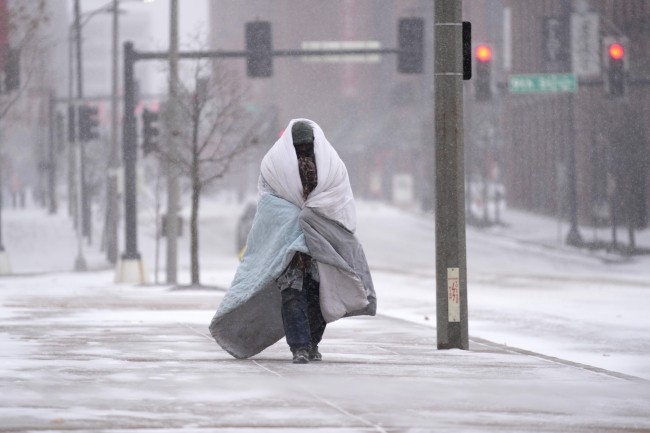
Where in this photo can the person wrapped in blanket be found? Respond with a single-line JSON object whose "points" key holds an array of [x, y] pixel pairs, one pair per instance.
{"points": [[303, 320], [303, 266]]}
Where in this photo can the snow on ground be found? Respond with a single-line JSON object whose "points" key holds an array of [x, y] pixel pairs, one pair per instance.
{"points": [[525, 289], [38, 242], [79, 352]]}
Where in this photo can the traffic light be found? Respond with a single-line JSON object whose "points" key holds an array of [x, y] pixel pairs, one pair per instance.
{"points": [[483, 79], [149, 131], [410, 43], [616, 68], [88, 123], [12, 69], [259, 48]]}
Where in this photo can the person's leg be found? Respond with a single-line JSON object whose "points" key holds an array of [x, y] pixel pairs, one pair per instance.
{"points": [[296, 319], [317, 323]]}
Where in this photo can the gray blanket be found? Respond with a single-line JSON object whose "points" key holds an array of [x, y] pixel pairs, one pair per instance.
{"points": [[249, 319]]}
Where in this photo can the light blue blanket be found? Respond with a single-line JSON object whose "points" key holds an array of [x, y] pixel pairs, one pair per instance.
{"points": [[249, 318], [257, 322]]}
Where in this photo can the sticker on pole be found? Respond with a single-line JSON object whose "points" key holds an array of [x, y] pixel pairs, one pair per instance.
{"points": [[453, 292]]}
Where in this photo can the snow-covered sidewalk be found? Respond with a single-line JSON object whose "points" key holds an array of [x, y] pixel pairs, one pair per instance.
{"points": [[524, 295], [562, 302], [83, 355]]}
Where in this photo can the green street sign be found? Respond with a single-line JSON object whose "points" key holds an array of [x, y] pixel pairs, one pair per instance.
{"points": [[543, 83]]}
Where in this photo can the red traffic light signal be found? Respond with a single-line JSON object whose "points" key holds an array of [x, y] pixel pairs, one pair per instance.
{"points": [[616, 51], [484, 53]]}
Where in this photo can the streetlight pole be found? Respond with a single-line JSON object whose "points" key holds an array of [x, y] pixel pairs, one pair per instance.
{"points": [[113, 213], [172, 180], [85, 202], [80, 262], [451, 261]]}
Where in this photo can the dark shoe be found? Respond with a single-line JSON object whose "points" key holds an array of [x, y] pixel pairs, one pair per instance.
{"points": [[301, 357], [314, 355]]}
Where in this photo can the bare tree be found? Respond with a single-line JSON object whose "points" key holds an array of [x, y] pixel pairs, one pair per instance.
{"points": [[20, 23], [23, 21], [219, 130]]}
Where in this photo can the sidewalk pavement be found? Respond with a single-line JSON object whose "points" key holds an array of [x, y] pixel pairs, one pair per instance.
{"points": [[81, 355]]}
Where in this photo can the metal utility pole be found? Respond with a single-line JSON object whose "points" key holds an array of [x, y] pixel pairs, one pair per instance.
{"points": [[86, 220], [113, 208], [72, 192], [174, 132], [573, 237], [451, 268], [131, 268], [80, 262], [51, 190]]}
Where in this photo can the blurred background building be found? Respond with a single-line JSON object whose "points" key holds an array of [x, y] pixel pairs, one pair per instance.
{"points": [[378, 120], [530, 135], [518, 145]]}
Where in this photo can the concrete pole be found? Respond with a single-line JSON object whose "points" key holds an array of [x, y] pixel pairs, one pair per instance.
{"points": [[51, 190], [71, 152], [80, 262], [86, 219], [113, 208], [174, 132], [451, 269]]}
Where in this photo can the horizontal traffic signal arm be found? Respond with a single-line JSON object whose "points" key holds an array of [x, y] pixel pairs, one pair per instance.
{"points": [[139, 55]]}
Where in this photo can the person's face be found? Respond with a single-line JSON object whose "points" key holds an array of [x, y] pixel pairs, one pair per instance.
{"points": [[304, 148]]}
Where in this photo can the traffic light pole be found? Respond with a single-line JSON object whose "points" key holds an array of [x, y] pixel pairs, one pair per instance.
{"points": [[113, 201], [451, 267], [131, 268], [80, 262], [83, 196]]}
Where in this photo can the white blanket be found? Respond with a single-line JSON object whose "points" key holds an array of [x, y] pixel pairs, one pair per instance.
{"points": [[341, 291], [332, 197]]}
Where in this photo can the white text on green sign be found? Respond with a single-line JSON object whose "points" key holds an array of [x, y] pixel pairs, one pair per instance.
{"points": [[544, 83]]}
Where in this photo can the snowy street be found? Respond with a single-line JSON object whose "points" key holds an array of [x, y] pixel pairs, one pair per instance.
{"points": [[557, 341]]}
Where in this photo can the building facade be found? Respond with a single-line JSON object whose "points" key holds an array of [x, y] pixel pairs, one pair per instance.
{"points": [[378, 120], [536, 131]]}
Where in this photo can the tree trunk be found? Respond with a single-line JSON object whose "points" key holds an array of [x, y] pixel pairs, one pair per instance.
{"points": [[194, 232]]}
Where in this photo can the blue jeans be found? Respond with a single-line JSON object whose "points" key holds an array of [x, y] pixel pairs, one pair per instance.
{"points": [[304, 324]]}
